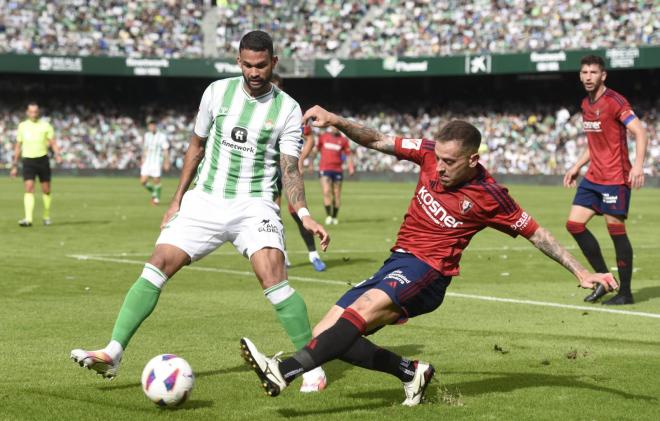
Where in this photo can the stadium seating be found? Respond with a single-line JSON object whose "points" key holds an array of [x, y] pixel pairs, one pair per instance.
{"points": [[515, 142], [323, 28]]}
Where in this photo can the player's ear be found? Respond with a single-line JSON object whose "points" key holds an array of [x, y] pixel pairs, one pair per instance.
{"points": [[604, 76], [473, 160], [273, 61]]}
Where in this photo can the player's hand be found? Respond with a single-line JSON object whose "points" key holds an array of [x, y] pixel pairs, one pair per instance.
{"points": [[319, 117], [571, 176], [13, 172], [636, 177], [351, 171], [166, 167], [169, 214], [58, 159], [317, 229], [590, 281]]}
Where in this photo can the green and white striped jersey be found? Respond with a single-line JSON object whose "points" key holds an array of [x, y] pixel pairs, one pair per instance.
{"points": [[245, 138], [155, 144]]}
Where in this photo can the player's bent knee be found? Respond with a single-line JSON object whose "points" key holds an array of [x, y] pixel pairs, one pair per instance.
{"points": [[169, 259], [376, 307], [575, 227]]}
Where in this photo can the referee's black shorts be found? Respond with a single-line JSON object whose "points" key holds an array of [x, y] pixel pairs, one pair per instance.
{"points": [[36, 167]]}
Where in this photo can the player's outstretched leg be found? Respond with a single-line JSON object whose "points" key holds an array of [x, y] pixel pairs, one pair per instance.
{"points": [[140, 301], [266, 368]]}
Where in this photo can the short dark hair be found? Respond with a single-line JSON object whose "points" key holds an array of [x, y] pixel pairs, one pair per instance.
{"points": [[256, 41], [592, 59], [464, 132]]}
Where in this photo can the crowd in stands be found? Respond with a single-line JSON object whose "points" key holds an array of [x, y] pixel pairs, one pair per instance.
{"points": [[515, 141], [324, 28]]}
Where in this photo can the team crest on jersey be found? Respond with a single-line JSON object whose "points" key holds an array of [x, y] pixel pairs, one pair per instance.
{"points": [[239, 134], [598, 113], [269, 125], [465, 205]]}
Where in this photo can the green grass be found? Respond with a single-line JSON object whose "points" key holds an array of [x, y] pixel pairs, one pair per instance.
{"points": [[552, 363]]}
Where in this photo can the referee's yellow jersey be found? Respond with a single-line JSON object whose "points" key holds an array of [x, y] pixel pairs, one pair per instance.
{"points": [[34, 137]]}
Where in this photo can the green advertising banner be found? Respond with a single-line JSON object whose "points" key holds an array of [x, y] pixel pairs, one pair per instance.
{"points": [[471, 64]]}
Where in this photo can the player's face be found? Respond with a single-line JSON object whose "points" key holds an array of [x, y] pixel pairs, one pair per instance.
{"points": [[592, 77], [455, 166], [152, 127], [33, 112], [257, 68]]}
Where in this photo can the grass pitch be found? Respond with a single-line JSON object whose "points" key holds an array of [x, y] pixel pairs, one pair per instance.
{"points": [[62, 286]]}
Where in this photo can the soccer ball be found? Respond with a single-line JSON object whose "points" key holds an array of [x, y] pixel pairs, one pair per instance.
{"points": [[167, 380]]}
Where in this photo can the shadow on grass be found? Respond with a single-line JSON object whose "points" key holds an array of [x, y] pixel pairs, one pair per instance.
{"points": [[507, 382], [86, 222], [342, 261], [199, 375], [646, 294]]}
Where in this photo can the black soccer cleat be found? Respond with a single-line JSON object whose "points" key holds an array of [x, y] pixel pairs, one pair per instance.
{"points": [[596, 294], [619, 299]]}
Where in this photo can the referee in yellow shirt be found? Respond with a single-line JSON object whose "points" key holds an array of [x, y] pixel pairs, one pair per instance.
{"points": [[33, 138]]}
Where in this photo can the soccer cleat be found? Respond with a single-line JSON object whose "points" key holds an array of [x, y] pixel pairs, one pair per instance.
{"points": [[155, 201], [335, 221], [596, 294], [314, 381], [24, 223], [415, 388], [98, 361], [266, 368], [47, 221], [328, 220], [318, 264], [619, 299]]}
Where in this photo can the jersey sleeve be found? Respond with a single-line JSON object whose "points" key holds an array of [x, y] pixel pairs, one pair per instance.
{"points": [[307, 130], [505, 215], [346, 148], [204, 118], [50, 132], [413, 149], [624, 112], [291, 138]]}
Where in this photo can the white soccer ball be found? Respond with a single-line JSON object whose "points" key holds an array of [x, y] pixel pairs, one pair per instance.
{"points": [[167, 380]]}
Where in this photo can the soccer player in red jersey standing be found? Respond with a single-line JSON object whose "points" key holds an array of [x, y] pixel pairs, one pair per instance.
{"points": [[333, 147], [455, 198], [605, 189]]}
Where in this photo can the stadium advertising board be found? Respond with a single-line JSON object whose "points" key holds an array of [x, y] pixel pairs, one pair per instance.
{"points": [[472, 64]]}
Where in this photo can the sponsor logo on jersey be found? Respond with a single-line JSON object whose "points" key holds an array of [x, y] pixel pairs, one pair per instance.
{"points": [[435, 210], [411, 144], [465, 205], [591, 126], [244, 148], [610, 199], [239, 134], [332, 146], [522, 222], [398, 276], [268, 125], [266, 226]]}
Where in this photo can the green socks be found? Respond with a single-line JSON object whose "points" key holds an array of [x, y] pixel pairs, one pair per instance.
{"points": [[46, 198], [28, 203], [291, 312], [140, 301], [156, 192], [149, 187]]}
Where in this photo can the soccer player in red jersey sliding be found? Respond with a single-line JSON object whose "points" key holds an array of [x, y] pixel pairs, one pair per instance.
{"points": [[333, 148], [454, 199], [605, 189]]}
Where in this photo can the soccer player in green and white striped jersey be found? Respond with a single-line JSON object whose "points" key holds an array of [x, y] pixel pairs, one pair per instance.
{"points": [[154, 158], [245, 128]]}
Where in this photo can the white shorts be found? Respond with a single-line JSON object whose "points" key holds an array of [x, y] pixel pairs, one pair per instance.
{"points": [[206, 222], [150, 170]]}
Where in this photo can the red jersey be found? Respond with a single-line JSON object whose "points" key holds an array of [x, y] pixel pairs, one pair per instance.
{"points": [[440, 222], [331, 146], [604, 123]]}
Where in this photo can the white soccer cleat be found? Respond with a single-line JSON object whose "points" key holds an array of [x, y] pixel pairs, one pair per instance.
{"points": [[98, 361], [266, 368], [415, 388], [335, 221], [314, 381], [328, 220]]}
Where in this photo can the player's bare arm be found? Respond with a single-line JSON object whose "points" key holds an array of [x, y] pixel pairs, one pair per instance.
{"points": [[636, 177], [544, 241], [572, 174], [191, 160], [166, 161], [294, 186], [358, 133], [56, 150], [306, 152], [17, 155]]}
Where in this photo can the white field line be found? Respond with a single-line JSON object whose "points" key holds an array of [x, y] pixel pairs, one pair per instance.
{"points": [[383, 250], [345, 284]]}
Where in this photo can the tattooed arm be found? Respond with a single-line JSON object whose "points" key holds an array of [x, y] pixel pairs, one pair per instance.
{"points": [[544, 241], [358, 133], [294, 186]]}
